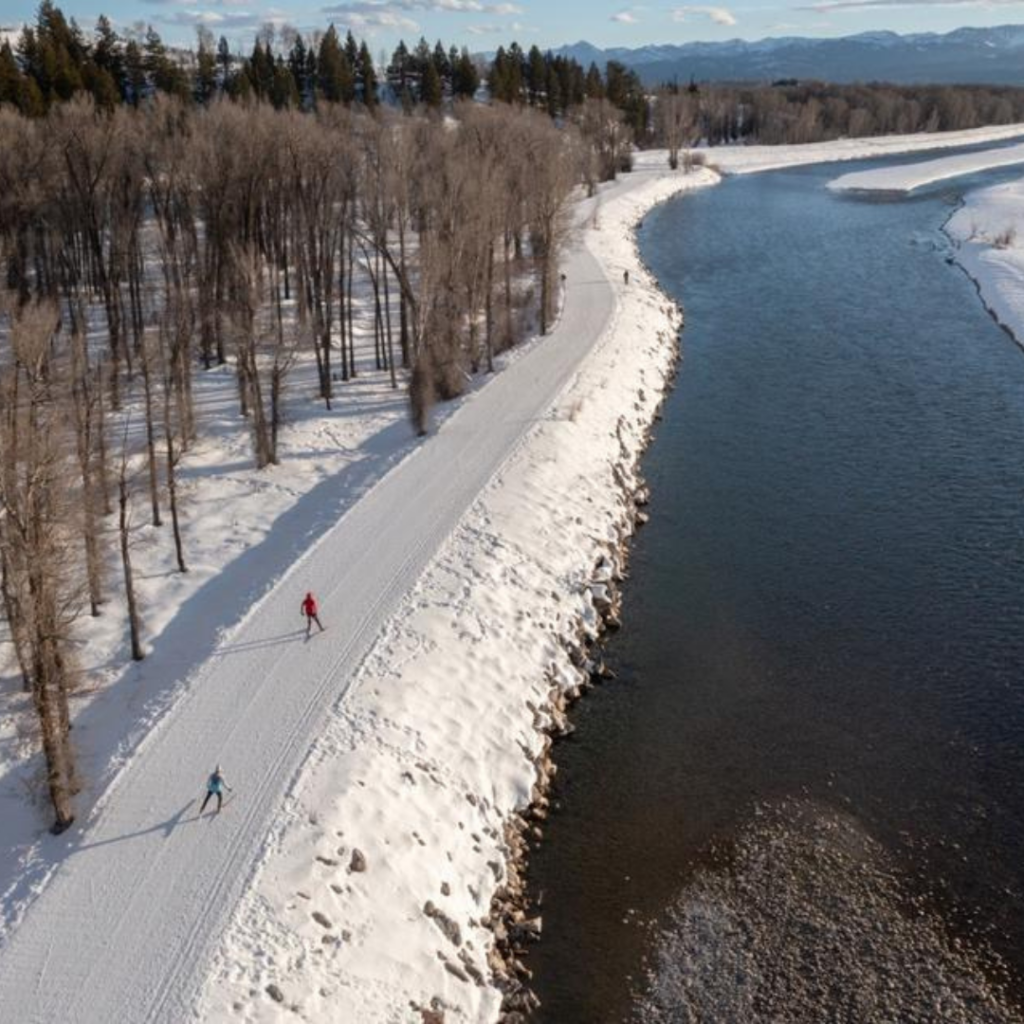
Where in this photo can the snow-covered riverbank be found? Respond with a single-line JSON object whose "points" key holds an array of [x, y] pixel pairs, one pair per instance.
{"points": [[988, 234], [916, 175], [436, 748], [753, 159]]}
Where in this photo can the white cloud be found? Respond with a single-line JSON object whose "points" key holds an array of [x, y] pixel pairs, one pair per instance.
{"points": [[719, 15], [385, 12], [466, 7], [214, 19], [625, 18], [511, 29], [380, 19]]}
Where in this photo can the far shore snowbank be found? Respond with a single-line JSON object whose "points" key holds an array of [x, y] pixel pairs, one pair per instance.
{"points": [[908, 177], [988, 235], [752, 159]]}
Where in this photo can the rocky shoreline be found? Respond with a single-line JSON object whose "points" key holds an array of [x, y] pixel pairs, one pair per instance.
{"points": [[514, 921]]}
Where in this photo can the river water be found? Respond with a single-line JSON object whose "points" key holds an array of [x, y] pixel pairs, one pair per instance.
{"points": [[803, 799]]}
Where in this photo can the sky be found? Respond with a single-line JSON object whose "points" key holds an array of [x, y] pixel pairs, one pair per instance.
{"points": [[483, 26]]}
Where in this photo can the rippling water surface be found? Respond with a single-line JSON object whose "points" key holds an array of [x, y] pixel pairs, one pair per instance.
{"points": [[803, 800]]}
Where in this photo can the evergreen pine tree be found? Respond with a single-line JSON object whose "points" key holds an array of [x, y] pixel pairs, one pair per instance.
{"points": [[398, 69], [224, 61], [536, 75], [498, 78], [516, 64], [419, 59], [284, 92], [311, 73], [465, 78], [162, 73], [205, 87], [351, 49], [101, 86], [53, 54], [261, 69], [134, 73], [11, 78], [335, 75], [367, 77], [108, 54], [443, 67], [553, 91], [625, 92], [299, 67], [431, 91]]}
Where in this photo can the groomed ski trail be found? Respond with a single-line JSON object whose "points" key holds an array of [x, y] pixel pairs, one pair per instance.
{"points": [[123, 931]]}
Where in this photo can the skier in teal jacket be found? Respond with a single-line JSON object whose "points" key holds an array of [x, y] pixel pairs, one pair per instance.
{"points": [[215, 786]]}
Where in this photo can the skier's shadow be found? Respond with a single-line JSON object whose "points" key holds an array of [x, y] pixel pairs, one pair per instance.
{"points": [[255, 645], [166, 827]]}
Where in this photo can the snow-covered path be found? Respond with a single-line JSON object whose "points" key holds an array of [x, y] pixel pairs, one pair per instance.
{"points": [[124, 928]]}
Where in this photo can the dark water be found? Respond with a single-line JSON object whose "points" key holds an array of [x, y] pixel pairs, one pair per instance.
{"points": [[803, 800]]}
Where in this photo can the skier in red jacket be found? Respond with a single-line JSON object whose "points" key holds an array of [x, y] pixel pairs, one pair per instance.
{"points": [[309, 609]]}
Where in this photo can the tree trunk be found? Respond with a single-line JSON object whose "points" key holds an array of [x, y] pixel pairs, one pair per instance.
{"points": [[390, 335], [126, 562], [101, 443], [489, 309], [15, 622], [351, 316], [147, 389]]}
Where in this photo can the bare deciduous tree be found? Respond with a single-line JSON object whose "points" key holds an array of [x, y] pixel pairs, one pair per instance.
{"points": [[41, 585]]}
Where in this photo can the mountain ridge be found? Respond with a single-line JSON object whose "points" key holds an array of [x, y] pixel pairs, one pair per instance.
{"points": [[965, 55]]}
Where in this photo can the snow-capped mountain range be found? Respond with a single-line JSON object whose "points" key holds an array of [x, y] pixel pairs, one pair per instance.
{"points": [[990, 55]]}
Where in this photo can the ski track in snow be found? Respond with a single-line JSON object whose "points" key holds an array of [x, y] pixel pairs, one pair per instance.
{"points": [[124, 928]]}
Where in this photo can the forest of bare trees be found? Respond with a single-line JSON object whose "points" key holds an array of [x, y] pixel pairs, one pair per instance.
{"points": [[141, 247], [791, 112]]}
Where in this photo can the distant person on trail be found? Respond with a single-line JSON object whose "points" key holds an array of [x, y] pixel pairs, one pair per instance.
{"points": [[309, 609], [215, 786], [625, 277]]}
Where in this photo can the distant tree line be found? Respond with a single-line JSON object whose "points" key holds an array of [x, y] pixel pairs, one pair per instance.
{"points": [[800, 112], [55, 60]]}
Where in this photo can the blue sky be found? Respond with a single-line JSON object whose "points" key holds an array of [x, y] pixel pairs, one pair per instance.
{"points": [[483, 24]]}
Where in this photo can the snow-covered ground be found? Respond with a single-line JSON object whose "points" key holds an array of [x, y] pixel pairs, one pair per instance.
{"points": [[926, 172], [751, 159], [988, 234], [421, 764]]}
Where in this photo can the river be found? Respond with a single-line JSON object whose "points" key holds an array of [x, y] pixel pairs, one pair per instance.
{"points": [[803, 798]]}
